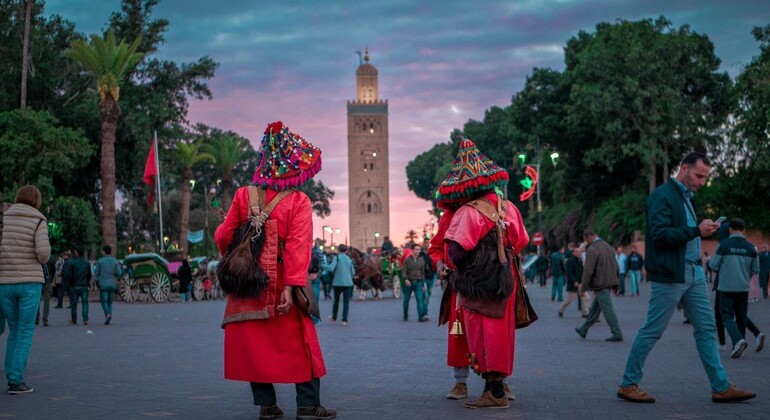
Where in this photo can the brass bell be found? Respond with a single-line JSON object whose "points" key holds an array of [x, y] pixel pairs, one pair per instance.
{"points": [[457, 328]]}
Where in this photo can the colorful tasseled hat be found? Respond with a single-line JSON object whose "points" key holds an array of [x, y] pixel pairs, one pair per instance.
{"points": [[288, 160], [471, 172]]}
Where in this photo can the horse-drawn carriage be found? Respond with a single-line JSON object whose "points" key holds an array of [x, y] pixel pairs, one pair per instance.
{"points": [[150, 277], [375, 274]]}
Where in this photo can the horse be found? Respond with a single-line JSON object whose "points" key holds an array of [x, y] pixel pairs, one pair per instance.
{"points": [[368, 273]]}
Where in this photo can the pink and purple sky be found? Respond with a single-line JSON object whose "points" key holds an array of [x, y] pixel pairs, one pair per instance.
{"points": [[440, 64]]}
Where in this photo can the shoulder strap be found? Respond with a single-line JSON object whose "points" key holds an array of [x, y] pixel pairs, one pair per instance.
{"points": [[258, 211], [496, 215]]}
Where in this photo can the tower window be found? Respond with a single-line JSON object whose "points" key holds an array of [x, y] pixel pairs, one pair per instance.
{"points": [[368, 194], [368, 208]]}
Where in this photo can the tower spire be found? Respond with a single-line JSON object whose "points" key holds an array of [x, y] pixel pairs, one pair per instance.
{"points": [[366, 54]]}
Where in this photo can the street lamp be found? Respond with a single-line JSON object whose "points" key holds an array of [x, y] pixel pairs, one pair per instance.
{"points": [[376, 235], [323, 234], [538, 152]]}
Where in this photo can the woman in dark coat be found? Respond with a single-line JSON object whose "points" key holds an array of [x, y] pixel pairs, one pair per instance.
{"points": [[185, 280]]}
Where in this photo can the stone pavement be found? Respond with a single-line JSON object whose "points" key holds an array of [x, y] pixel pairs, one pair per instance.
{"points": [[165, 360]]}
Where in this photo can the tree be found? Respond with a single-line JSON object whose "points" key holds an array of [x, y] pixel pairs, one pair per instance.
{"points": [[188, 155], [319, 195], [108, 62], [25, 52], [229, 150]]}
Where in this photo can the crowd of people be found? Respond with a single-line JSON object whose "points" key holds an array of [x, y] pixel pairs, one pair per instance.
{"points": [[475, 256]]}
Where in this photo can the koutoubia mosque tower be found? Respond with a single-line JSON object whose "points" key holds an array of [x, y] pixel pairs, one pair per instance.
{"points": [[368, 188]]}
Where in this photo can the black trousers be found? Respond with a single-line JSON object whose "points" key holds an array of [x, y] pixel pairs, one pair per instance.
{"points": [[308, 393]]}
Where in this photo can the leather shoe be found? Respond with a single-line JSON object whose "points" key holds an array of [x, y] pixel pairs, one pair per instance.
{"points": [[614, 339], [732, 394], [634, 394], [269, 412]]}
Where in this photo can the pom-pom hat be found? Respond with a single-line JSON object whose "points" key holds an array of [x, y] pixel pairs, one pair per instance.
{"points": [[287, 161], [471, 172]]}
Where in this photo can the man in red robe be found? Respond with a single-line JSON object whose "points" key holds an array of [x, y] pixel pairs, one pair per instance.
{"points": [[487, 342], [267, 338]]}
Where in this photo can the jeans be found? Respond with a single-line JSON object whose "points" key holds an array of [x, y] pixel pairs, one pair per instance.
{"points": [[46, 294], [75, 294], [721, 327], [308, 393], [543, 276], [602, 303], [697, 307], [733, 306], [105, 297], [622, 282], [557, 287], [18, 304], [61, 290], [416, 287], [346, 292], [461, 374], [636, 277], [429, 282]]}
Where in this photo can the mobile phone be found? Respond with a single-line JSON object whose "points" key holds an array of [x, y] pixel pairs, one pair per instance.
{"points": [[721, 220]]}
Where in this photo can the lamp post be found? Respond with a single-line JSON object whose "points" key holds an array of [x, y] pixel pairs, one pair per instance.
{"points": [[323, 234], [376, 236], [538, 152]]}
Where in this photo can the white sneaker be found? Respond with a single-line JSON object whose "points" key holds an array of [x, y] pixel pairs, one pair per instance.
{"points": [[760, 342], [738, 349], [724, 347]]}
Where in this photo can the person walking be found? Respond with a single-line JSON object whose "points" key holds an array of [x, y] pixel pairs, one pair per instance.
{"points": [[673, 248], [185, 281], [23, 250], [557, 274], [414, 271], [48, 270], [735, 260], [62, 288], [429, 282], [541, 264], [600, 275], [622, 260], [342, 283], [574, 276], [474, 243], [267, 338], [77, 273], [764, 269], [635, 263], [107, 271]]}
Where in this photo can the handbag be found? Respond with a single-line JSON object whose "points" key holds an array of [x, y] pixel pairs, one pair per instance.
{"points": [[239, 272], [305, 300], [525, 313], [47, 278]]}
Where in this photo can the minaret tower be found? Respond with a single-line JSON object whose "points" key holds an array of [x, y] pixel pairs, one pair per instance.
{"points": [[368, 188]]}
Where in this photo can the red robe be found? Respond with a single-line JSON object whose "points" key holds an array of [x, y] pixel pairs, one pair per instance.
{"points": [[457, 345], [491, 341], [283, 348]]}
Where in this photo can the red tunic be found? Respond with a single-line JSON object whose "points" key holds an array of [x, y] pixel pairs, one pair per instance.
{"points": [[457, 345], [284, 348], [491, 340]]}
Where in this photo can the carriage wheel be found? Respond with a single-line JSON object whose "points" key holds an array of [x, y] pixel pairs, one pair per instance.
{"points": [[128, 288], [198, 289], [396, 287], [160, 287]]}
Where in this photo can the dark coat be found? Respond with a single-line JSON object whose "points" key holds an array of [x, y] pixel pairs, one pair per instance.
{"points": [[574, 273]]}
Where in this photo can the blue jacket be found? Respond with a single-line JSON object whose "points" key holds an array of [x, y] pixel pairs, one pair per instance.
{"points": [[343, 269], [736, 261], [107, 271]]}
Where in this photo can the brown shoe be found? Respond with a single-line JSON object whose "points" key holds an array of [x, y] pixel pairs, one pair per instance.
{"points": [[508, 393], [269, 412], [459, 392], [634, 394], [487, 400], [732, 394], [315, 413]]}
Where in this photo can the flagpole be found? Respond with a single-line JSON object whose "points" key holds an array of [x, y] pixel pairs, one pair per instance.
{"points": [[160, 202]]}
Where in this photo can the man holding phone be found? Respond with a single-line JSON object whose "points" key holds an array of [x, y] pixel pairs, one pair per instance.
{"points": [[673, 247]]}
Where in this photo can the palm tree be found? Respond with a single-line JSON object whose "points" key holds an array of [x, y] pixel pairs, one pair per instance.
{"points": [[110, 63], [228, 152], [188, 155], [25, 53]]}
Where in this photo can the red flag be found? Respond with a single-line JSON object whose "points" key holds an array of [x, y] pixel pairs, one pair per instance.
{"points": [[151, 173]]}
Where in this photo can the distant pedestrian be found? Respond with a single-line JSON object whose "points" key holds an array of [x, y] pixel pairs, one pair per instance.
{"points": [[62, 288], [707, 266], [107, 271], [557, 274], [574, 276], [600, 275], [430, 280], [342, 283], [736, 261], [622, 260], [541, 264], [77, 273], [635, 264], [414, 271], [49, 268], [185, 281], [764, 269], [23, 250], [673, 248]]}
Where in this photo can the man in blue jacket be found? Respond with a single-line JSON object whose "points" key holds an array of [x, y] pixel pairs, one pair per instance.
{"points": [[673, 248]]}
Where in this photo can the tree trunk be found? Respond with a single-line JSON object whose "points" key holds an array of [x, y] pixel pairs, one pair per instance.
{"points": [[652, 174], [109, 112], [227, 191], [184, 213], [25, 53]]}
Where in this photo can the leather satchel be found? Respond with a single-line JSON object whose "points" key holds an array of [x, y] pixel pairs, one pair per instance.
{"points": [[525, 313], [304, 298]]}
